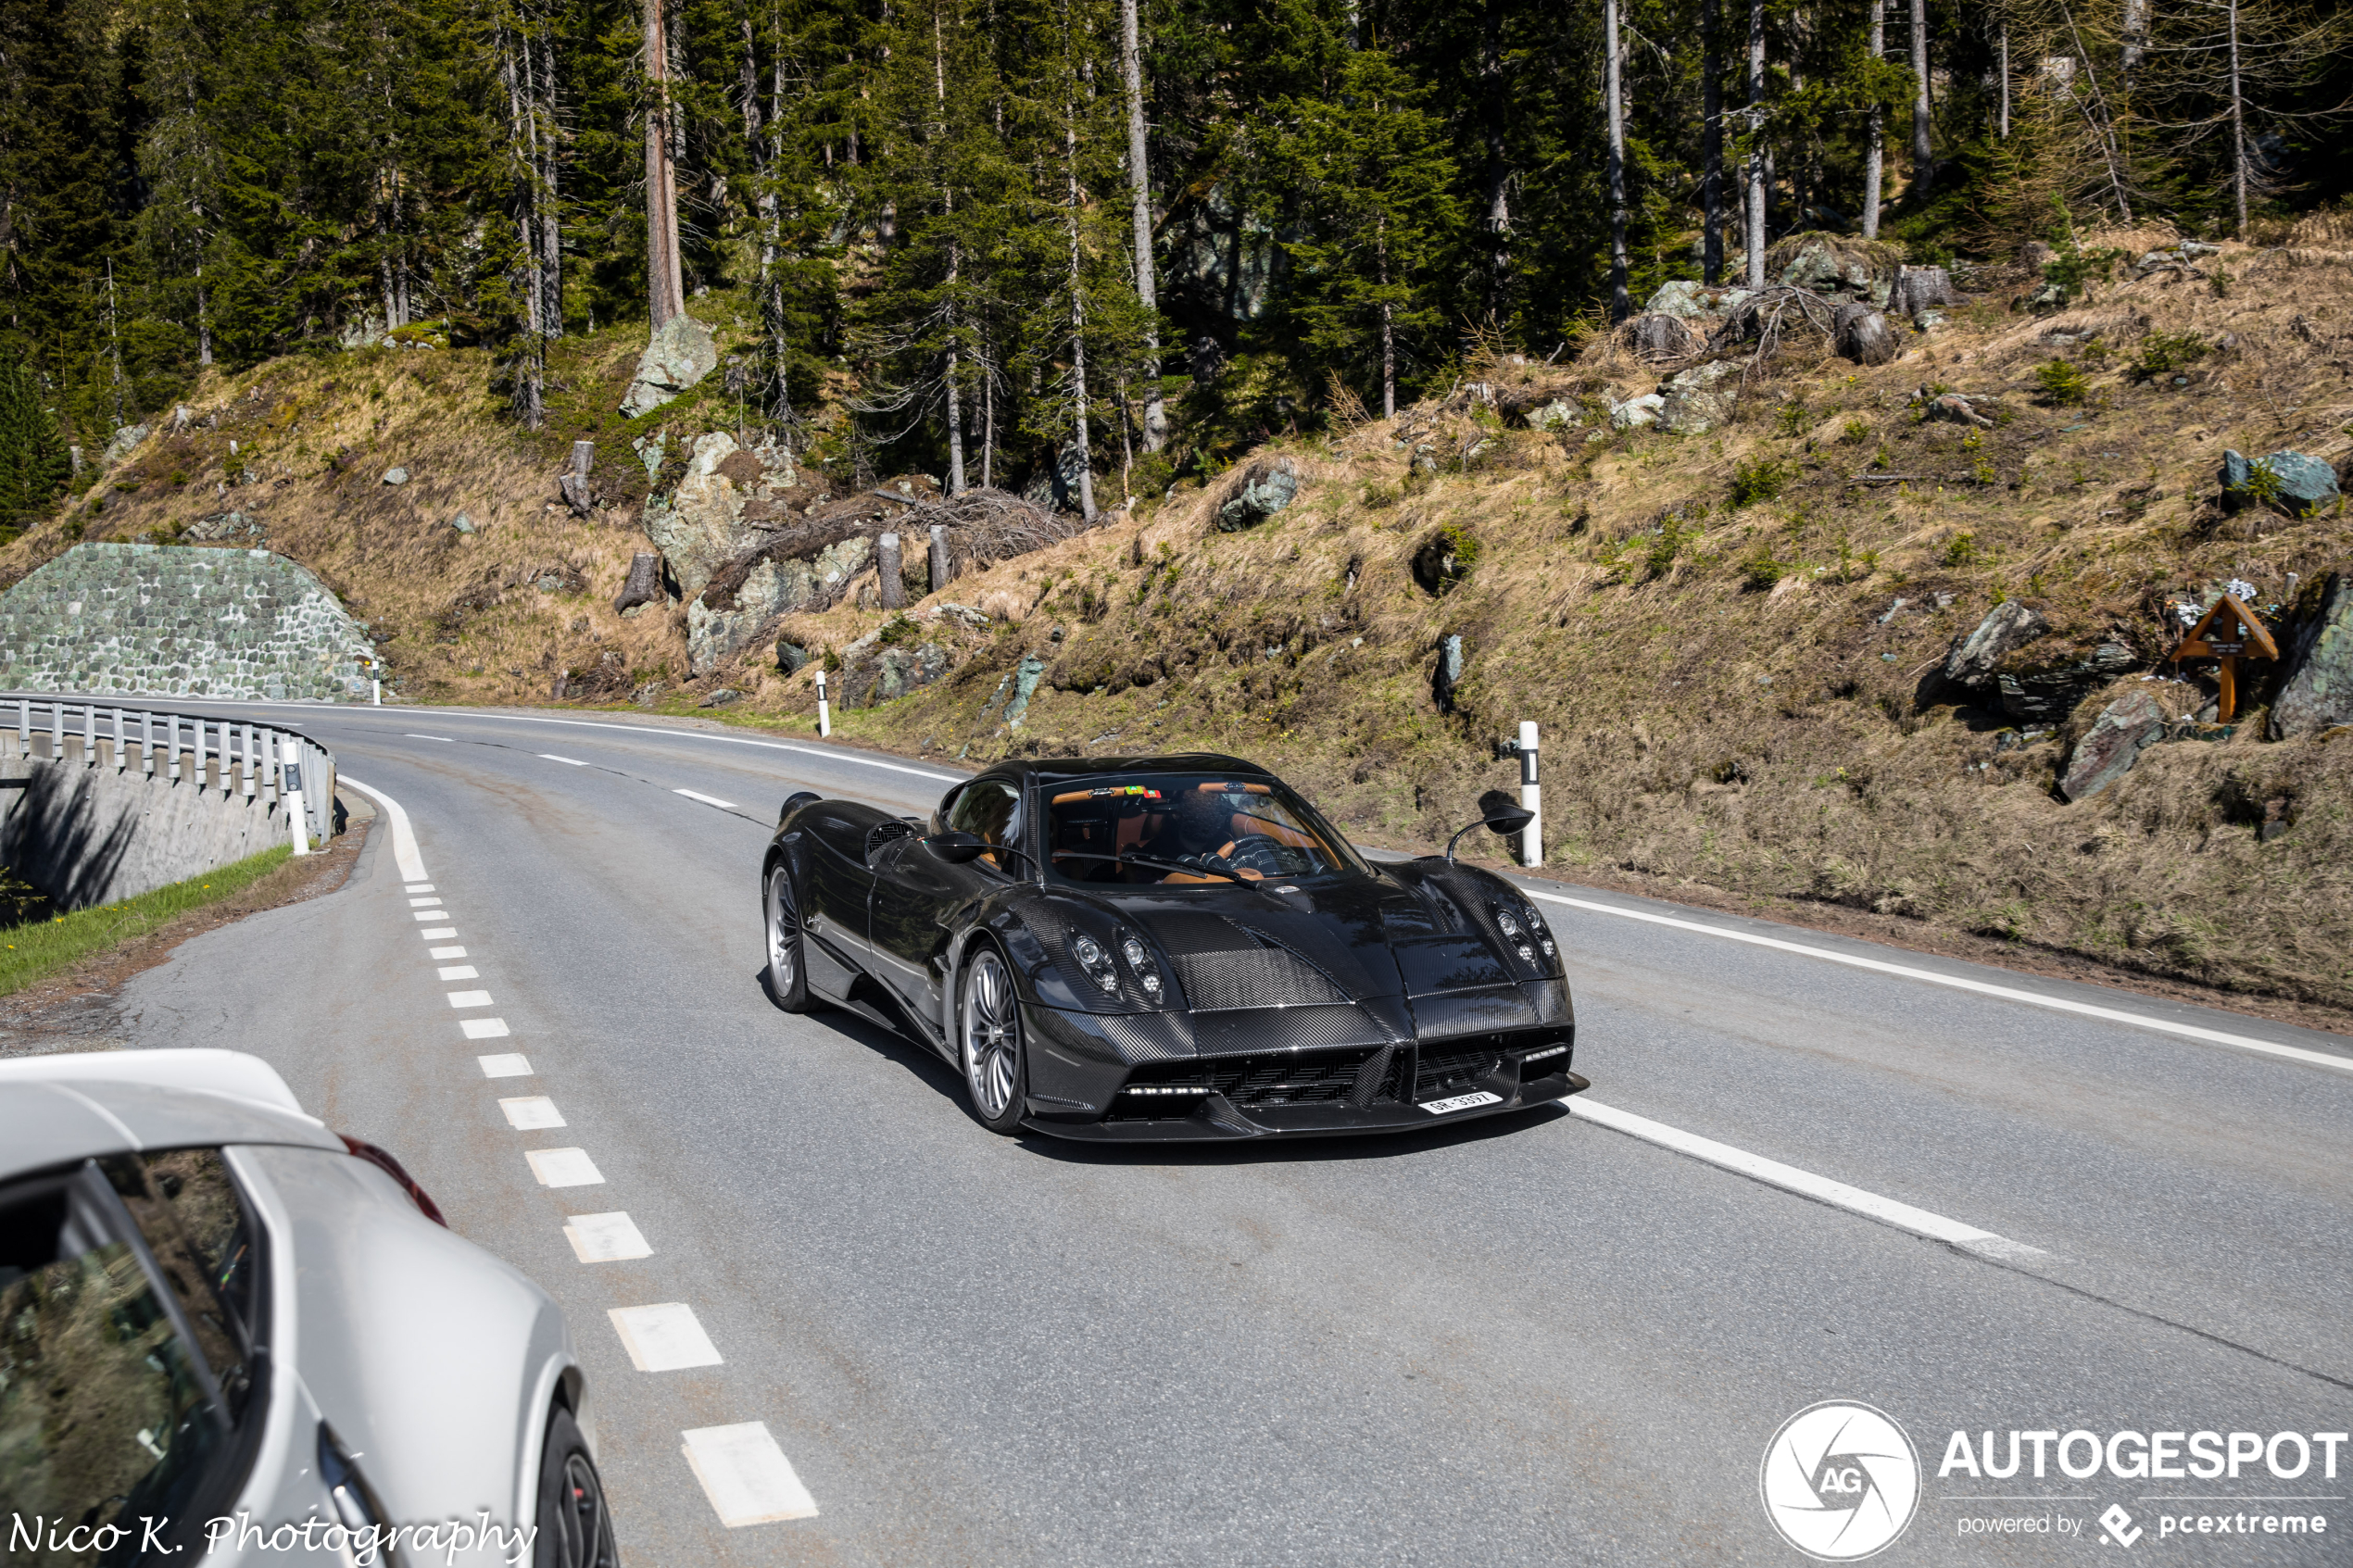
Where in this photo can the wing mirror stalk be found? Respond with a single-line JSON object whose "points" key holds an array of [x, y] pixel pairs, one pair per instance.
{"points": [[1503, 814], [964, 848]]}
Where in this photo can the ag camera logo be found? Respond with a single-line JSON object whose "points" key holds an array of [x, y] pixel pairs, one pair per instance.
{"points": [[1840, 1481]]}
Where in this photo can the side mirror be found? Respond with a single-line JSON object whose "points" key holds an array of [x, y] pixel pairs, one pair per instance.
{"points": [[956, 848], [1497, 811], [1503, 813]]}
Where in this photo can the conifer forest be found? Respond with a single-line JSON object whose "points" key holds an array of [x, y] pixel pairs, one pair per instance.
{"points": [[990, 236]]}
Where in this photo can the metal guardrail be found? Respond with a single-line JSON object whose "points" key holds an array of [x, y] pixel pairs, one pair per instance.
{"points": [[280, 767]]}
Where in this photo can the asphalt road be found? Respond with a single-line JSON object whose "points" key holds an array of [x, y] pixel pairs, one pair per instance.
{"points": [[1542, 1339]]}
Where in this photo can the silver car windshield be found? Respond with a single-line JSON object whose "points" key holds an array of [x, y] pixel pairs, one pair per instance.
{"points": [[1189, 828]]}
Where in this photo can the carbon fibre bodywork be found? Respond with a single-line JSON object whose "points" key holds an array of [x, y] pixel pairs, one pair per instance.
{"points": [[1345, 1003]]}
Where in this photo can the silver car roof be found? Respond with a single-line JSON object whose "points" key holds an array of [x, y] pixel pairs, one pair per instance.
{"points": [[63, 1107]]}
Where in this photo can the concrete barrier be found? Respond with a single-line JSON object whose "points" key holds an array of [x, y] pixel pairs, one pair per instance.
{"points": [[99, 803]]}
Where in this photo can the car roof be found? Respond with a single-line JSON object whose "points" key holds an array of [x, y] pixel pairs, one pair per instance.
{"points": [[1054, 769], [79, 1105]]}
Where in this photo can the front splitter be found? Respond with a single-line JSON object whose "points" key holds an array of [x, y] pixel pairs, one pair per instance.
{"points": [[1220, 1120]]}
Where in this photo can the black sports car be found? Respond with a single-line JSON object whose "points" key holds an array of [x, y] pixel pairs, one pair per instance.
{"points": [[1170, 947]]}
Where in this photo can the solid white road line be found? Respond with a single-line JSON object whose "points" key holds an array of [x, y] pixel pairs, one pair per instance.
{"points": [[404, 839], [706, 800], [531, 1112], [567, 761], [445, 952], [1886, 1211], [837, 753], [664, 1337], [507, 1066], [440, 934], [605, 1238], [564, 1168], [469, 998], [486, 1028], [1960, 982], [458, 972], [746, 1476]]}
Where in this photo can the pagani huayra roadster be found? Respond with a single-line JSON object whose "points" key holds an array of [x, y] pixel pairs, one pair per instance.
{"points": [[1167, 948]]}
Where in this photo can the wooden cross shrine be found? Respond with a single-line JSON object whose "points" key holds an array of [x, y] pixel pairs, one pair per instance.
{"points": [[2227, 634]]}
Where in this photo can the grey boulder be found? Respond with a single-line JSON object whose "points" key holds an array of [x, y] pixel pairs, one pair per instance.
{"points": [[1700, 398], [2008, 627], [678, 358], [1267, 488], [2125, 728], [873, 674], [2304, 484], [2318, 693]]}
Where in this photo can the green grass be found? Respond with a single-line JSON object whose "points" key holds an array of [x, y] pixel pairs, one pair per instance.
{"points": [[30, 953]]}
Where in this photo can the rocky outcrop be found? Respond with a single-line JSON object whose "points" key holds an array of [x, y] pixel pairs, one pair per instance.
{"points": [[732, 616], [2317, 693], [2296, 484], [2125, 728], [678, 358], [2049, 694], [2008, 627], [873, 672], [730, 500], [1831, 265], [1689, 300], [1268, 487], [1700, 398]]}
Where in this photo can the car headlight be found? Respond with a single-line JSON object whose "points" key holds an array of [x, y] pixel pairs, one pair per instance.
{"points": [[1524, 929], [1096, 963], [1140, 962]]}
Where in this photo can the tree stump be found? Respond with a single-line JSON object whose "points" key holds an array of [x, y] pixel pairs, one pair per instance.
{"points": [[573, 486], [894, 592], [943, 569], [1863, 335], [644, 581], [1659, 336], [1919, 289]]}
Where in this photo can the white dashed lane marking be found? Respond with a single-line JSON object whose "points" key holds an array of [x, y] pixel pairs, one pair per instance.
{"points": [[443, 739], [460, 971], [507, 1066], [432, 902], [440, 934], [706, 800], [564, 1168], [746, 1476], [531, 1113], [432, 914], [486, 1028], [438, 954], [418, 888], [605, 1238], [567, 761], [469, 998], [666, 1336]]}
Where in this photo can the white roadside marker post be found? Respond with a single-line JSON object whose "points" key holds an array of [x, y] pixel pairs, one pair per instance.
{"points": [[375, 692], [1531, 837], [824, 710], [290, 757]]}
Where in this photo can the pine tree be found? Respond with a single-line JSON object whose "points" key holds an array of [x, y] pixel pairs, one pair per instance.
{"points": [[33, 463]]}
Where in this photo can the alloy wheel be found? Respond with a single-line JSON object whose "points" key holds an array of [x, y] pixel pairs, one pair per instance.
{"points": [[784, 949], [992, 1037]]}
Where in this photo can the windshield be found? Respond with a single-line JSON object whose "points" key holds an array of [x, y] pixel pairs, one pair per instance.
{"points": [[1197, 827]]}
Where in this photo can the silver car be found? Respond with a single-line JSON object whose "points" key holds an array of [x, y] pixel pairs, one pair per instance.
{"points": [[230, 1336]]}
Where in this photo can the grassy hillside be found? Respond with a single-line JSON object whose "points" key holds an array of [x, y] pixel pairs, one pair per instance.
{"points": [[1706, 625]]}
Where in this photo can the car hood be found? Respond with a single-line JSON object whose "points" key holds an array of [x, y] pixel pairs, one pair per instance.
{"points": [[1397, 932]]}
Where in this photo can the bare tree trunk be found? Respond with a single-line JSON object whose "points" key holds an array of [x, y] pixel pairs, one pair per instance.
{"points": [[2238, 127], [529, 367], [955, 261], [552, 237], [1077, 320], [204, 311], [1139, 183], [114, 345], [1923, 164], [771, 288], [665, 282], [1499, 172], [1711, 180], [1757, 148], [1875, 149], [2006, 77], [1388, 330], [987, 427], [2136, 37], [1620, 306]]}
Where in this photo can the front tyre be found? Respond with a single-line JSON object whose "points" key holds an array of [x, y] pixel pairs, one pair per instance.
{"points": [[995, 1057], [780, 911], [574, 1529]]}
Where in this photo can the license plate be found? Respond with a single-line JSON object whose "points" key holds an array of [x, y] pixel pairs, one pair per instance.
{"points": [[1460, 1102]]}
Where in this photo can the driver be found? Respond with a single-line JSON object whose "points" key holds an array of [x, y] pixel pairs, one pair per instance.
{"points": [[1204, 830]]}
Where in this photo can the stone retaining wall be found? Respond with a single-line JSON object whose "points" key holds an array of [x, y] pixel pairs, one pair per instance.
{"points": [[176, 620]]}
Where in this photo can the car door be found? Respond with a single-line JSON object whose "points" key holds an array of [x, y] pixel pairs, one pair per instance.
{"points": [[916, 893], [839, 881]]}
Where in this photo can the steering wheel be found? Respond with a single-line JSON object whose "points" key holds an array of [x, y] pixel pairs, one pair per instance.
{"points": [[1255, 852]]}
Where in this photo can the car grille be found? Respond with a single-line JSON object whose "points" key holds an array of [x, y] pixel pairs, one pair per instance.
{"points": [[1356, 1078], [1454, 1070]]}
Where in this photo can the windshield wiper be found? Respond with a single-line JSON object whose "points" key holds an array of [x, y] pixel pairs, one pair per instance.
{"points": [[1148, 861]]}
